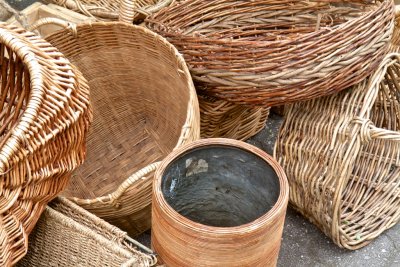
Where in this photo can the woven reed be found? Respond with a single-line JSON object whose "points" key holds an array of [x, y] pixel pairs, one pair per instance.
{"points": [[68, 235], [109, 10], [342, 157], [181, 242], [271, 53], [44, 115], [144, 105], [219, 118]]}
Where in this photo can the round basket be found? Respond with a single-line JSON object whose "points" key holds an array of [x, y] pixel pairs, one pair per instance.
{"points": [[342, 157], [145, 105], [109, 10], [271, 53], [44, 117], [218, 202], [219, 118]]}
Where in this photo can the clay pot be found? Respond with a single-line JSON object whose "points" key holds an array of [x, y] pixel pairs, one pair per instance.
{"points": [[218, 202]]}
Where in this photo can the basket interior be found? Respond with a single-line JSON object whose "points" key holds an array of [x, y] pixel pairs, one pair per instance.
{"points": [[220, 186], [140, 97]]}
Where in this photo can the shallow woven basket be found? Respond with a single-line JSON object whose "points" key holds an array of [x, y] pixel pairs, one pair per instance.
{"points": [[342, 157], [109, 10], [68, 235], [144, 105], [44, 118], [220, 118], [271, 53]]}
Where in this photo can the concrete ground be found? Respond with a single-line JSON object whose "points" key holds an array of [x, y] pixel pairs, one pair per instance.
{"points": [[302, 243]]}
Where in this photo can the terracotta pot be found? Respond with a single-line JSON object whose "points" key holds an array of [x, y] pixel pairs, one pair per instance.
{"points": [[218, 202]]}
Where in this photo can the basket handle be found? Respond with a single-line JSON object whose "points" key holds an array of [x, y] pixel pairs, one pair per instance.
{"points": [[113, 198], [369, 131], [129, 10], [56, 21]]}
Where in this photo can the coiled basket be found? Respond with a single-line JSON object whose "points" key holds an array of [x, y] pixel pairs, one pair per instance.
{"points": [[145, 105], [44, 117], [271, 52], [342, 157], [218, 202]]}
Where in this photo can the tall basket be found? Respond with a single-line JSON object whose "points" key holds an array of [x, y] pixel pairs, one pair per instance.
{"points": [[145, 105], [44, 116]]}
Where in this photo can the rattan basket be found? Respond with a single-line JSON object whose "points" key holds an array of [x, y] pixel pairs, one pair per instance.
{"points": [[44, 117], [144, 105], [271, 53], [109, 10], [220, 118], [342, 157], [67, 235]]}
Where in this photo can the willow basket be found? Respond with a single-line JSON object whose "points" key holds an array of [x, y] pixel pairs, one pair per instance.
{"points": [[68, 235], [144, 105], [342, 157], [218, 202], [219, 118], [44, 117], [271, 53], [109, 10]]}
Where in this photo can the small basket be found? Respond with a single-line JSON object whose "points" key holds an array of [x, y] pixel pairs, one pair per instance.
{"points": [[270, 53], [68, 235], [219, 118], [145, 105], [44, 116], [111, 10], [342, 157]]}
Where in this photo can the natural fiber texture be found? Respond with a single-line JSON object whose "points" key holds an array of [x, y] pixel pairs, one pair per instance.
{"points": [[219, 118], [271, 52], [68, 235], [144, 104], [126, 10], [44, 118], [342, 155]]}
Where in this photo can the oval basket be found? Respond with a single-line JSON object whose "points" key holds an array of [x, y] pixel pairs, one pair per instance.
{"points": [[68, 235], [220, 118], [342, 157], [218, 202], [145, 105], [44, 116], [268, 53]]}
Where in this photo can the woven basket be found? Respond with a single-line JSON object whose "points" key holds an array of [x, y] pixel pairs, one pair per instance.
{"points": [[342, 157], [219, 118], [67, 235], [109, 10], [272, 53], [44, 117], [219, 202], [144, 105]]}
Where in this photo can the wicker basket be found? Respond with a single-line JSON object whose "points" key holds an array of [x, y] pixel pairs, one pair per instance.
{"points": [[342, 157], [219, 118], [44, 117], [271, 53], [67, 235], [144, 105], [219, 202], [109, 10]]}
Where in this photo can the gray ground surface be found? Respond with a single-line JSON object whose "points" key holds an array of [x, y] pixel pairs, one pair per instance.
{"points": [[302, 243]]}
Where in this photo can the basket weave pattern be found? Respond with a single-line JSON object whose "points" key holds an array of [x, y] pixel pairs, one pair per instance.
{"points": [[45, 116], [268, 53]]}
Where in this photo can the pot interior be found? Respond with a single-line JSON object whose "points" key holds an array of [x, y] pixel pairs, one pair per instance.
{"points": [[220, 186]]}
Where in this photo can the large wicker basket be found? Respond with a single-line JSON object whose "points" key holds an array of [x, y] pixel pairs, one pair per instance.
{"points": [[220, 118], [342, 157], [44, 117], [271, 53], [144, 105], [67, 235]]}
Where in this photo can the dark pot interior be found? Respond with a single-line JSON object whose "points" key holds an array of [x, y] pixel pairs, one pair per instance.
{"points": [[220, 186]]}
